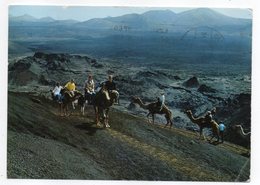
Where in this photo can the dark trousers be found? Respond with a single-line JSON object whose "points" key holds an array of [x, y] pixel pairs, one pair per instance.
{"points": [[89, 97], [221, 133]]}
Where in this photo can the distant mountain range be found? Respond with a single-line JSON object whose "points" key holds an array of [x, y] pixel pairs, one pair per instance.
{"points": [[147, 20], [28, 20]]}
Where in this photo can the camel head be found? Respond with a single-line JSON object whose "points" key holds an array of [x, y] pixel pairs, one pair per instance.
{"points": [[135, 99], [236, 127], [241, 130], [77, 93], [214, 110], [188, 112], [113, 96]]}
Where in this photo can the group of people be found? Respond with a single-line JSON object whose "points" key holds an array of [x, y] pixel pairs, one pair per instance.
{"points": [[107, 87]]}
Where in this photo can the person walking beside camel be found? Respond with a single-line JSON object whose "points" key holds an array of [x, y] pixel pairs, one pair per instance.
{"points": [[222, 128]]}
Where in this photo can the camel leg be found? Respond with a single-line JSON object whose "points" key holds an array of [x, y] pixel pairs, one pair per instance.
{"points": [[83, 110], [168, 121], [97, 120], [107, 125], [105, 122], [148, 117], [214, 134], [211, 138], [67, 110], [103, 118], [97, 116], [60, 107], [171, 123], [63, 110], [201, 134]]}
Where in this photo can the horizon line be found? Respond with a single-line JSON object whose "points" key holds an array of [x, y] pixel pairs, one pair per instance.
{"points": [[167, 9]]}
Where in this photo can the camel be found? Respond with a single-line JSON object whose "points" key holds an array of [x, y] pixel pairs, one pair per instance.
{"points": [[102, 102], [245, 135], [241, 131], [200, 121], [82, 103], [67, 99], [153, 109]]}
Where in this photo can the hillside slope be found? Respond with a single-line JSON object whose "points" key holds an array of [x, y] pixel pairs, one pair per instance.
{"points": [[42, 145]]}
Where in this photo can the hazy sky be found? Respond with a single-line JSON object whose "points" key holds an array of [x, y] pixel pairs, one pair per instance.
{"points": [[83, 13]]}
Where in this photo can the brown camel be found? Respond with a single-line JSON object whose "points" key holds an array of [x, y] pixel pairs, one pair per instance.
{"points": [[153, 109], [102, 102], [68, 99], [202, 123]]}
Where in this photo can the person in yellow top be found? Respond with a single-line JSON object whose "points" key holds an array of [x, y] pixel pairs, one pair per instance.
{"points": [[70, 86]]}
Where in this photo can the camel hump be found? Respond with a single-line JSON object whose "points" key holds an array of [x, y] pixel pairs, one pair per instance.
{"points": [[166, 108]]}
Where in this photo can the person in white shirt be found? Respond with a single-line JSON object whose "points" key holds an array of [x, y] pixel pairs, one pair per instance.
{"points": [[161, 101], [89, 89], [57, 92]]}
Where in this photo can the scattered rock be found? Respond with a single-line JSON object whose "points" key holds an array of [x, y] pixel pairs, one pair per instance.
{"points": [[97, 65], [146, 74], [176, 77], [110, 72], [131, 106], [20, 65], [93, 61], [206, 89], [52, 57], [192, 82], [243, 98], [39, 55], [43, 80], [35, 100]]}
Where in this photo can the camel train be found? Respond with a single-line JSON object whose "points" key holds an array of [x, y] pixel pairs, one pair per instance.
{"points": [[103, 100], [100, 103]]}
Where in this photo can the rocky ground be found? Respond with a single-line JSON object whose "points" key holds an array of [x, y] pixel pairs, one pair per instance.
{"points": [[43, 145], [198, 88]]}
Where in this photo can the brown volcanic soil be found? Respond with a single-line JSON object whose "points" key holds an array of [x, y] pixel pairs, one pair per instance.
{"points": [[43, 145]]}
